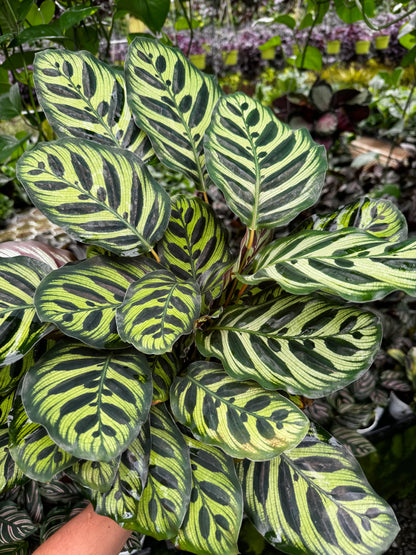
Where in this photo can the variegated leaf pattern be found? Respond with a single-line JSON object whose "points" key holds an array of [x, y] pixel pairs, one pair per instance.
{"points": [[81, 298], [32, 449], [349, 263], [163, 504], [57, 491], [98, 194], [172, 102], [359, 445], [15, 523], [240, 417], [164, 369], [10, 473], [157, 310], [51, 256], [86, 99], [11, 375], [120, 502], [267, 172], [91, 402], [305, 345], [33, 501], [96, 475], [214, 516], [195, 244], [6, 403], [380, 217], [20, 328], [316, 499], [19, 548]]}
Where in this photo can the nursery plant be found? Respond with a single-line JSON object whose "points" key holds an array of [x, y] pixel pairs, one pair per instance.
{"points": [[163, 375]]}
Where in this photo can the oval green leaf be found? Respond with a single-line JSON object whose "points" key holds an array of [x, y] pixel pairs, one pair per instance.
{"points": [[172, 102], [20, 328], [259, 424], [100, 195], [99, 476], [86, 99], [305, 345], [165, 499], [81, 298], [15, 523], [164, 369], [214, 516], [10, 473], [158, 309], [92, 403], [349, 263], [267, 172], [316, 499]]}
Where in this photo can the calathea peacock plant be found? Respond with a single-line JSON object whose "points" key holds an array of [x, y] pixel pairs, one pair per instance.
{"points": [[164, 376]]}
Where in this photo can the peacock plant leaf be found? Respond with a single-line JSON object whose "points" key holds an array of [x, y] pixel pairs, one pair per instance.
{"points": [[164, 369], [20, 328], [84, 98], [98, 194], [121, 500], [11, 375], [172, 102], [157, 310], [215, 512], [267, 172], [32, 449], [15, 523], [306, 345], [6, 403], [92, 403], [81, 298], [349, 263], [195, 244], [10, 473], [18, 548], [259, 424], [95, 475], [380, 217], [165, 499], [316, 499]]}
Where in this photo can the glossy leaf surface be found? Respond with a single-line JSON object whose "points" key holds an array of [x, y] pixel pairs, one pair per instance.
{"points": [[354, 265], [214, 516], [316, 499], [81, 299], [165, 499], [20, 328], [380, 217], [157, 310], [96, 475], [267, 172], [85, 98], [305, 345], [98, 194], [92, 403], [164, 369], [240, 417], [10, 473], [32, 449], [172, 102]]}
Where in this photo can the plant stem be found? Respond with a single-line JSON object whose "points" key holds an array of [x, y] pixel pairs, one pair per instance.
{"points": [[156, 256], [308, 38], [373, 27]]}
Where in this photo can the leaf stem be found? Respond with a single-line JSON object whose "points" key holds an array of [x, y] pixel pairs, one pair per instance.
{"points": [[205, 197], [156, 256], [250, 239]]}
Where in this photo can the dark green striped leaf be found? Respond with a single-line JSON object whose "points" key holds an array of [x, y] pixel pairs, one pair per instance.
{"points": [[10, 473], [380, 217], [32, 449], [96, 475], [316, 499], [158, 309], [267, 172], [15, 523], [164, 369], [120, 502], [100, 195], [359, 445], [11, 375], [19, 548], [352, 264], [165, 499], [91, 402], [305, 345], [6, 403], [240, 417], [20, 328], [86, 99], [81, 298], [172, 102], [215, 512], [58, 491], [195, 244]]}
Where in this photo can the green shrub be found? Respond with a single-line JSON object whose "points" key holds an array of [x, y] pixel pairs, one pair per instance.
{"points": [[175, 399]]}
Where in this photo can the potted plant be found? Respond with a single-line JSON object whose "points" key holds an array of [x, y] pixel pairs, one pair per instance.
{"points": [[362, 45], [381, 40], [164, 375]]}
